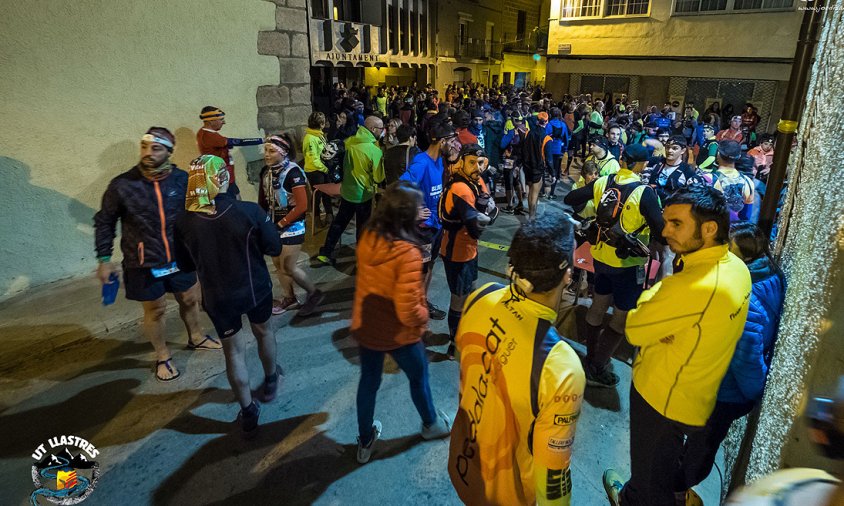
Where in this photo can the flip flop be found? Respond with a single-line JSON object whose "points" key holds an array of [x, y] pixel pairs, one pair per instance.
{"points": [[166, 363], [203, 346]]}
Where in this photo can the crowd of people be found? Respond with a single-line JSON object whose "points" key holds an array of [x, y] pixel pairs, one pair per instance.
{"points": [[424, 175]]}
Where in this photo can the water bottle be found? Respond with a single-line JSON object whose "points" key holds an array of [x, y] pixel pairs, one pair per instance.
{"points": [[110, 289]]}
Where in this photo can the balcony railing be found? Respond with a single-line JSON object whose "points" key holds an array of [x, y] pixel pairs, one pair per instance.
{"points": [[473, 48], [535, 41]]}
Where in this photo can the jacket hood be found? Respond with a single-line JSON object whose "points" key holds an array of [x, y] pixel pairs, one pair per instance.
{"points": [[761, 269], [556, 122], [362, 136], [377, 250]]}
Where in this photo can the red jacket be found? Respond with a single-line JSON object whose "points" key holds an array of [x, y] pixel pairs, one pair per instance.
{"points": [[390, 309]]}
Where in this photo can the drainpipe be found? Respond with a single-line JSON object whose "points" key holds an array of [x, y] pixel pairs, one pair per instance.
{"points": [[795, 95]]}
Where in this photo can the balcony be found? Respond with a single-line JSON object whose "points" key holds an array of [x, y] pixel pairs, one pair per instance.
{"points": [[535, 41], [474, 48]]}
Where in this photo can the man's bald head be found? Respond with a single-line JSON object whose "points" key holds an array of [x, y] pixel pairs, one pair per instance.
{"points": [[374, 124]]}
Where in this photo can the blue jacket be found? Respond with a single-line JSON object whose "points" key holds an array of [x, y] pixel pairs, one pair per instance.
{"points": [[745, 378], [427, 175], [559, 143]]}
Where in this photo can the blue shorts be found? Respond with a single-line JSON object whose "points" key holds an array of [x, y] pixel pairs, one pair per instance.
{"points": [[142, 286], [461, 276], [620, 282]]}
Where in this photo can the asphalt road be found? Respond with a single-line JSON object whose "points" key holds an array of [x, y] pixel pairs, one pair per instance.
{"points": [[176, 443]]}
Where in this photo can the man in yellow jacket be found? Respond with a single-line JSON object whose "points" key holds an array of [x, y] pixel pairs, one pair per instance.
{"points": [[686, 327]]}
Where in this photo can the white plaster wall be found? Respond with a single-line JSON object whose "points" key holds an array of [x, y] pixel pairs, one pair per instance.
{"points": [[82, 81]]}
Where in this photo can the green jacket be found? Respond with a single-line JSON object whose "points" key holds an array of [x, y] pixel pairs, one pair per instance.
{"points": [[362, 167], [313, 144]]}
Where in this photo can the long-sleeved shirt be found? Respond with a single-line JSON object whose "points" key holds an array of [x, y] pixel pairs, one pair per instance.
{"points": [[687, 327], [227, 251]]}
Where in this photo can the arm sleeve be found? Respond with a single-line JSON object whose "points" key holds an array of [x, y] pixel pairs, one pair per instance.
{"points": [[748, 363], [463, 210], [580, 196], [411, 308], [252, 141], [651, 211], [378, 166], [561, 390], [105, 222], [269, 238], [184, 260], [657, 315], [301, 196]]}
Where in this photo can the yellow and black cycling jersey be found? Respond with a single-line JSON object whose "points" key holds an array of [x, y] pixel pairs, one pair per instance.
{"points": [[521, 388]]}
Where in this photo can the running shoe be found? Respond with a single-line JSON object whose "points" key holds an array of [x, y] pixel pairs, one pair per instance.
{"points": [[365, 452], [248, 419], [437, 430], [269, 388], [612, 486], [311, 303], [284, 305], [435, 313], [601, 379], [325, 260]]}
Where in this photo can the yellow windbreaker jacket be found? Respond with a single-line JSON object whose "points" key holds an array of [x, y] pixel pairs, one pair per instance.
{"points": [[687, 326]]}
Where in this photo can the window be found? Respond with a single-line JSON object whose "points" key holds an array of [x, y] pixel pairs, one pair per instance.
{"points": [[580, 9], [704, 6], [521, 24], [627, 7]]}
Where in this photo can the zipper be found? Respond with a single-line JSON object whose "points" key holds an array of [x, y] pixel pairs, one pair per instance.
{"points": [[141, 253], [163, 218]]}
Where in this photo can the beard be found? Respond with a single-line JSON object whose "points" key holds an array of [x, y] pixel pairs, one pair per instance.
{"points": [[690, 246]]}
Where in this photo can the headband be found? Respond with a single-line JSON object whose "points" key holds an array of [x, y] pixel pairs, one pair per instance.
{"points": [[159, 140], [277, 143], [212, 115]]}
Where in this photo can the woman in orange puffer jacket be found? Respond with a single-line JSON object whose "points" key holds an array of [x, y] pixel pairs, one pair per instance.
{"points": [[390, 311]]}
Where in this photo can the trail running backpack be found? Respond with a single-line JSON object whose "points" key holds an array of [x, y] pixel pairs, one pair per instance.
{"points": [[733, 190], [607, 227]]}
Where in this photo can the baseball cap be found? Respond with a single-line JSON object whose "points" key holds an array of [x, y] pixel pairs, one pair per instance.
{"points": [[729, 150], [471, 150], [634, 153]]}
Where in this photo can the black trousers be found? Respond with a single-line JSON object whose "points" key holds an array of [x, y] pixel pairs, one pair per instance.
{"points": [[701, 447], [656, 452], [348, 210]]}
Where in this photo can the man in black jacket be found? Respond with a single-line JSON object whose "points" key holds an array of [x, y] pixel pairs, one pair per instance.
{"points": [[224, 240], [147, 199]]}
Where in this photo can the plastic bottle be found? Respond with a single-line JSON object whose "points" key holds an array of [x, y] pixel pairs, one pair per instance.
{"points": [[110, 289]]}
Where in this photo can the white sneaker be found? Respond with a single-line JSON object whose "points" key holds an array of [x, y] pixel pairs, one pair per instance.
{"points": [[365, 452], [439, 429]]}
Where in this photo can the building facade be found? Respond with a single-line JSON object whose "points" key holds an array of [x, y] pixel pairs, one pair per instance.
{"points": [[657, 51], [491, 42], [374, 42]]}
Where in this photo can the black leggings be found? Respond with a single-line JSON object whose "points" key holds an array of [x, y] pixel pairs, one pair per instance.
{"points": [[314, 178]]}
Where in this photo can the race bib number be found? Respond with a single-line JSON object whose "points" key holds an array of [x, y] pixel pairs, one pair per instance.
{"points": [[294, 229], [160, 272]]}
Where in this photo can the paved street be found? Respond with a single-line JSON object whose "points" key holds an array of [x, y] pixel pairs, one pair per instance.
{"points": [[175, 443]]}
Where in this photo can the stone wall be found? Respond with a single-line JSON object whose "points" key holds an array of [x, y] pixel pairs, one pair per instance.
{"points": [[285, 106]]}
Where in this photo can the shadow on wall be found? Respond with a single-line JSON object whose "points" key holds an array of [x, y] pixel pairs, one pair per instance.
{"points": [[46, 235]]}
